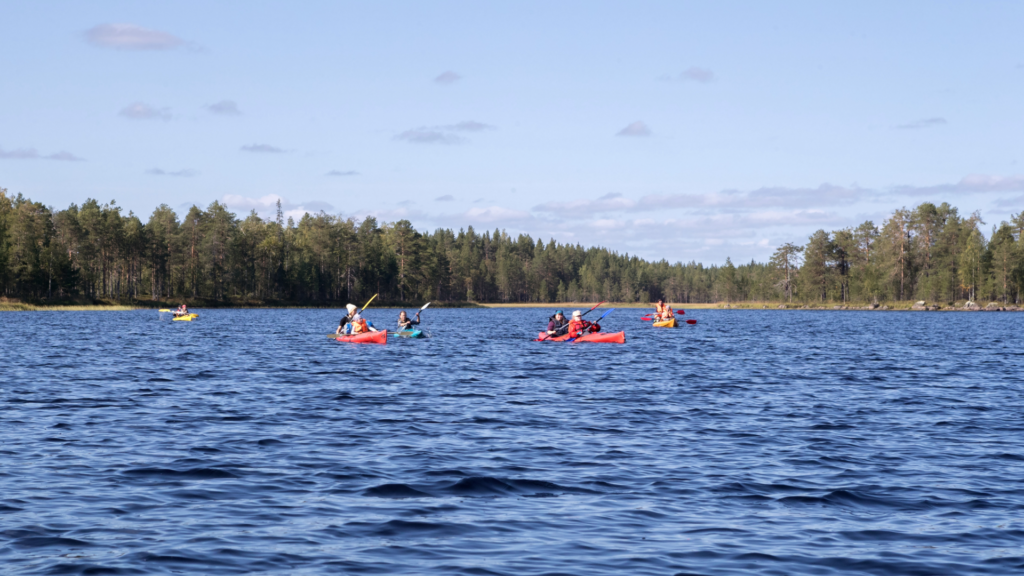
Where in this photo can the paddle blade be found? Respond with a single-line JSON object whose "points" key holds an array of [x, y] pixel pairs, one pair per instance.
{"points": [[424, 306], [680, 311], [163, 310], [691, 321], [610, 310]]}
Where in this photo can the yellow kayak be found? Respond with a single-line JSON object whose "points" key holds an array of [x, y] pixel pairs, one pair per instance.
{"points": [[670, 323], [186, 318]]}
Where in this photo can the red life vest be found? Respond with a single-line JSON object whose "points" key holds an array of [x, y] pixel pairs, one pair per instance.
{"points": [[577, 327]]}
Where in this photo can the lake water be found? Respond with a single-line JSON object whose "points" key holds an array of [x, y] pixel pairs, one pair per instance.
{"points": [[756, 442]]}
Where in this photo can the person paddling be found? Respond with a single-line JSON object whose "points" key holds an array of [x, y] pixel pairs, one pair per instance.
{"points": [[181, 311], [557, 324], [578, 326], [404, 323], [663, 311], [355, 320]]}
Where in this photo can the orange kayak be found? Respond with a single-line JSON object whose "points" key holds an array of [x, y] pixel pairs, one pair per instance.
{"points": [[614, 337], [380, 337]]}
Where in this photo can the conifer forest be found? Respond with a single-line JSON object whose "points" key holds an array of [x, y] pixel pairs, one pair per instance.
{"points": [[93, 250]]}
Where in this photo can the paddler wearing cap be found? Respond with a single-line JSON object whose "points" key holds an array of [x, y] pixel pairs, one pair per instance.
{"points": [[557, 324], [578, 326], [355, 320]]}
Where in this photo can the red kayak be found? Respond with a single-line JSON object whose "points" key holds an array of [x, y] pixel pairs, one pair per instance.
{"points": [[380, 337], [614, 337]]}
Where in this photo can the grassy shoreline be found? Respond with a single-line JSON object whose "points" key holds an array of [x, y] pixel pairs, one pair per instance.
{"points": [[7, 305]]}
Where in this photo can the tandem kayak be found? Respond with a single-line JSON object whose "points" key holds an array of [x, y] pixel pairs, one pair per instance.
{"points": [[670, 323], [415, 333], [185, 317], [365, 338], [614, 337]]}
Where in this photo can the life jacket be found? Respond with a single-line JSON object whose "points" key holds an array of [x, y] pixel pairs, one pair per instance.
{"points": [[359, 326], [576, 328]]}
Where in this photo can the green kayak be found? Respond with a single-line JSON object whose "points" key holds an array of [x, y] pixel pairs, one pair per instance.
{"points": [[415, 333]]}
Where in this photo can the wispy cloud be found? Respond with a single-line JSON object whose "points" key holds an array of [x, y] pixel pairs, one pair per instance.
{"points": [[184, 173], [637, 128], [697, 74], [923, 123], [263, 149], [143, 111], [445, 198], [443, 134], [33, 154], [726, 201], [342, 173], [131, 37], [1016, 203], [970, 184], [467, 126], [447, 78], [425, 136], [224, 108]]}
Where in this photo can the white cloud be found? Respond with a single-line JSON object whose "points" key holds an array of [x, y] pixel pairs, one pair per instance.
{"points": [[697, 74], [263, 149], [131, 37], [923, 123], [342, 173], [447, 78], [224, 108], [143, 111], [33, 154], [637, 128], [266, 206], [183, 173]]}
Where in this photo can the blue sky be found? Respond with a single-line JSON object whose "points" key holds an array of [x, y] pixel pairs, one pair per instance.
{"points": [[684, 131]]}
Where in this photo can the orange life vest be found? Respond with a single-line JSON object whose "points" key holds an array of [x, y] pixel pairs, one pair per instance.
{"points": [[359, 326]]}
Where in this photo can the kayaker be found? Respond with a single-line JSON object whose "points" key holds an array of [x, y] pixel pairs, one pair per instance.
{"points": [[355, 320], [557, 324], [662, 311], [578, 326], [404, 323], [181, 311]]}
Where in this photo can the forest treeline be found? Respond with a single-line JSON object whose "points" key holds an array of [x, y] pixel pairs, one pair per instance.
{"points": [[96, 251]]}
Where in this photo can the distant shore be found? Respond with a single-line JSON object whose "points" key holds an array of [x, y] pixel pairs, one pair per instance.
{"points": [[8, 305]]}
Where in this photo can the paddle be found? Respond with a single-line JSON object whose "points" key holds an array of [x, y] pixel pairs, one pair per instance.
{"points": [[691, 321], [610, 310], [592, 309], [163, 310], [368, 302]]}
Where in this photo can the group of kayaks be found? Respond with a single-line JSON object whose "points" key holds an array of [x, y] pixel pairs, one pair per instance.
{"points": [[665, 318], [381, 336]]}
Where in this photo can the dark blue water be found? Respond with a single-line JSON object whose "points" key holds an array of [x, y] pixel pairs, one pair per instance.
{"points": [[753, 443]]}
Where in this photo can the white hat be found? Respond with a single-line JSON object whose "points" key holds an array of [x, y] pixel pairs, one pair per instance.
{"points": [[351, 308], [576, 313]]}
